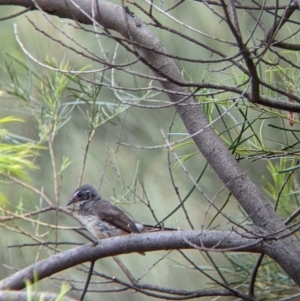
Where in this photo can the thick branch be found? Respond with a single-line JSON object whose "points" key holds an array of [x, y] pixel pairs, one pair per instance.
{"points": [[168, 240], [25, 296]]}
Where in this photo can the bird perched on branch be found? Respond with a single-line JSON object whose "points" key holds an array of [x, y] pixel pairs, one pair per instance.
{"points": [[103, 219]]}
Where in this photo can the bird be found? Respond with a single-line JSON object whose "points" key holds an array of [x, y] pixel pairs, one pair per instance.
{"points": [[102, 218]]}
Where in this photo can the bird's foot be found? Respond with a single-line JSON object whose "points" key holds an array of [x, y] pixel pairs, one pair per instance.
{"points": [[96, 242]]}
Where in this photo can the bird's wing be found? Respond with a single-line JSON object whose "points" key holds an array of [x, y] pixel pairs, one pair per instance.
{"points": [[112, 214]]}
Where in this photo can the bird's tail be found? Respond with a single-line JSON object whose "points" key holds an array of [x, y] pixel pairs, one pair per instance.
{"points": [[159, 227]]}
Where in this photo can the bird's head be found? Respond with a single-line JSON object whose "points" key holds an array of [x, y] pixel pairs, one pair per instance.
{"points": [[83, 194]]}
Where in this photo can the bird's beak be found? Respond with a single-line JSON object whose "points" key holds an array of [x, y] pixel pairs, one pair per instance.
{"points": [[72, 201]]}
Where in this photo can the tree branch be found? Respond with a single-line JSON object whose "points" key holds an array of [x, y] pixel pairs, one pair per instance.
{"points": [[168, 240], [25, 296]]}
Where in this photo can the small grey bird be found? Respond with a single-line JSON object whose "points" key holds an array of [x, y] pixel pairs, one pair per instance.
{"points": [[101, 218]]}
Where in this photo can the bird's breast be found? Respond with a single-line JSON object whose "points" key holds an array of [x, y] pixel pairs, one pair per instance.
{"points": [[100, 229]]}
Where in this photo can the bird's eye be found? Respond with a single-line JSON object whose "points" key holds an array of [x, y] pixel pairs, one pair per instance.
{"points": [[78, 194], [82, 194]]}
